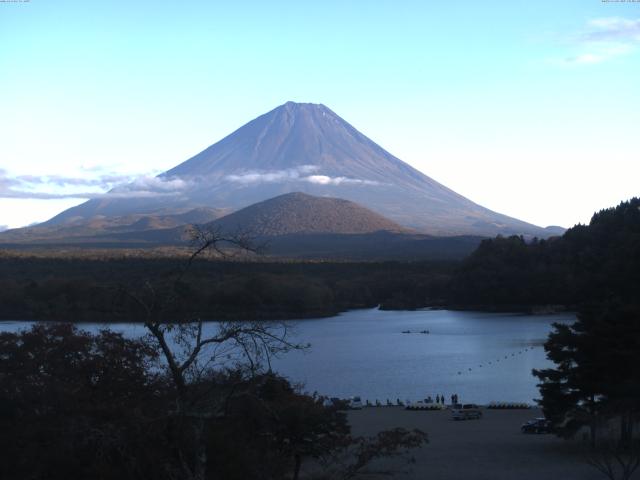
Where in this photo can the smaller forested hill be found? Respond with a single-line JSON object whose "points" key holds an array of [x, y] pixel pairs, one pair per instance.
{"points": [[301, 213], [589, 263]]}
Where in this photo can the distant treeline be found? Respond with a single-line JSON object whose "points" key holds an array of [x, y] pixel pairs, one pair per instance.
{"points": [[93, 289], [589, 263]]}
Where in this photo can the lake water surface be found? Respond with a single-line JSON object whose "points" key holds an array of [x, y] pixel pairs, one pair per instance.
{"points": [[482, 357]]}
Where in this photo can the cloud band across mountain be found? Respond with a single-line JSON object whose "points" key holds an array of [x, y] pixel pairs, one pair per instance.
{"points": [[301, 173], [53, 187]]}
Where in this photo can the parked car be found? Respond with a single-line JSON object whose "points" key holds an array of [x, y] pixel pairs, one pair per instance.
{"points": [[336, 402], [467, 411], [355, 403], [537, 425]]}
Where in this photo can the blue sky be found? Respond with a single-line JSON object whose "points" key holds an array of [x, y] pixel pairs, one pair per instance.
{"points": [[529, 108]]}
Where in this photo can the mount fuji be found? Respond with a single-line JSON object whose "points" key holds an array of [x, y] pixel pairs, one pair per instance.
{"points": [[304, 147]]}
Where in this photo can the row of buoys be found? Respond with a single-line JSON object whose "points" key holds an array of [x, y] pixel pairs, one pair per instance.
{"points": [[420, 405], [389, 403], [508, 406], [520, 352], [409, 405]]}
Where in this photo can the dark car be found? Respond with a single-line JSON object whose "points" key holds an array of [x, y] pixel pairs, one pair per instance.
{"points": [[537, 425]]}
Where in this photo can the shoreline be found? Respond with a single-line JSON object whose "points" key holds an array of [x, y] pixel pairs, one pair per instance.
{"points": [[533, 310]]}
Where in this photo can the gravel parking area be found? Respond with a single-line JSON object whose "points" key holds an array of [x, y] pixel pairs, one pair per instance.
{"points": [[491, 448]]}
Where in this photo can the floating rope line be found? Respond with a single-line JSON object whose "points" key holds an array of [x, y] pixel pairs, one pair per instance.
{"points": [[506, 357]]}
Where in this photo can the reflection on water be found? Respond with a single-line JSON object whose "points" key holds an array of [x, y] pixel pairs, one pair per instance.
{"points": [[480, 356]]}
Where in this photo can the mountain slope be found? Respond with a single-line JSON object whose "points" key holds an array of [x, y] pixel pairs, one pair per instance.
{"points": [[100, 226], [293, 225], [300, 147]]}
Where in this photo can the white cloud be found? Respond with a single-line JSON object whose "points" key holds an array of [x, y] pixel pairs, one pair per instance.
{"points": [[48, 187], [614, 28], [273, 176], [325, 180], [300, 174], [604, 39], [599, 54], [114, 185], [104, 181], [154, 184], [585, 58]]}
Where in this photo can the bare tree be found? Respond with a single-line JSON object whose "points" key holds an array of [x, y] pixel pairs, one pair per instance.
{"points": [[616, 462], [191, 348], [352, 455]]}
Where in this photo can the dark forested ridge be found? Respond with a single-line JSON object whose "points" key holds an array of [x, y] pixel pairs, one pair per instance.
{"points": [[599, 261], [589, 263], [91, 289]]}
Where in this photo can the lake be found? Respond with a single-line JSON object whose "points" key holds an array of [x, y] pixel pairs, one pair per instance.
{"points": [[482, 357]]}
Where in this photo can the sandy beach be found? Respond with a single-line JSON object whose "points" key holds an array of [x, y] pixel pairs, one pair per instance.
{"points": [[492, 448]]}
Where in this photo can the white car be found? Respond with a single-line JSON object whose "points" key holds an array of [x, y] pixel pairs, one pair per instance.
{"points": [[355, 403]]}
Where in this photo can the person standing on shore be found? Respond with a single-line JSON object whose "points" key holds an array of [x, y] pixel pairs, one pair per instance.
{"points": [[437, 399]]}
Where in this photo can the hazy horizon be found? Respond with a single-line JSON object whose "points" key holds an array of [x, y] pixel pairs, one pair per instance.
{"points": [[527, 109]]}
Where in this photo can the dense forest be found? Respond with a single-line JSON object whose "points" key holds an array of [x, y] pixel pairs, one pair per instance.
{"points": [[93, 288], [589, 263]]}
